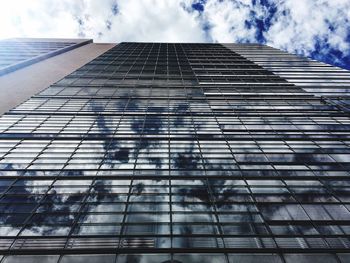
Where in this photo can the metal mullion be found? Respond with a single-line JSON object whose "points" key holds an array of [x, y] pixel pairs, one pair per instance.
{"points": [[145, 60], [109, 63], [178, 65], [83, 202], [267, 226], [20, 140], [170, 181], [25, 224], [75, 222], [50, 142], [294, 196], [125, 214], [205, 179], [9, 186], [216, 214], [223, 134], [330, 191], [79, 212], [236, 163], [321, 181], [115, 58], [211, 195], [133, 64], [157, 59], [112, 136], [15, 123], [62, 105], [131, 185], [73, 152], [248, 186], [313, 141], [322, 236], [177, 235], [48, 119], [37, 107]]}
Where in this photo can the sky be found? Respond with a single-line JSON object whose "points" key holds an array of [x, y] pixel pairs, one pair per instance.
{"points": [[319, 29]]}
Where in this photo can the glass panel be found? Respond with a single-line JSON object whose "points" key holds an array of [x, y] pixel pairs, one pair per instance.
{"points": [[88, 258], [31, 259]]}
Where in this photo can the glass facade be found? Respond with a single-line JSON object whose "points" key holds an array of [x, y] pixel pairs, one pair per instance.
{"points": [[157, 152]]}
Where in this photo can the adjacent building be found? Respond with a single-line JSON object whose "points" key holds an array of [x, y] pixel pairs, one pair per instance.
{"points": [[28, 65], [17, 53], [166, 152]]}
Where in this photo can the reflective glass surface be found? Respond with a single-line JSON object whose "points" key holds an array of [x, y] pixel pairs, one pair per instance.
{"points": [[174, 153]]}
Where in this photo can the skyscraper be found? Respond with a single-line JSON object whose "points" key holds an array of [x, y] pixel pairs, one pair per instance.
{"points": [[160, 152]]}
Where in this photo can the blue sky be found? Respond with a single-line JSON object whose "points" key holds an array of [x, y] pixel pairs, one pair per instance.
{"points": [[319, 29]]}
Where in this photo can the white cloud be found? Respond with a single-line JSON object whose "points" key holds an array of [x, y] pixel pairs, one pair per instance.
{"points": [[297, 26], [151, 20], [146, 20], [227, 19], [36, 19], [307, 23]]}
